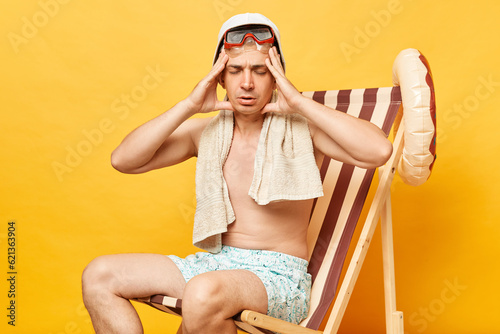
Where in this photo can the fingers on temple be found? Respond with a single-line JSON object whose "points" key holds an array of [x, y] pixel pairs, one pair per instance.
{"points": [[218, 67], [221, 60], [276, 58], [274, 64]]}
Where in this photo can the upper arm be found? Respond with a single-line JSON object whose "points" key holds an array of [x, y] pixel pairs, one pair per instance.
{"points": [[327, 146], [330, 148], [181, 145]]}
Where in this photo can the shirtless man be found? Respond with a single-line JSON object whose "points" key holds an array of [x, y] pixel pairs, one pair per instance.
{"points": [[260, 233]]}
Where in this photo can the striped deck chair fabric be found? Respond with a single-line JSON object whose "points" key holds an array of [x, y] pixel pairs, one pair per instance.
{"points": [[346, 187], [335, 215]]}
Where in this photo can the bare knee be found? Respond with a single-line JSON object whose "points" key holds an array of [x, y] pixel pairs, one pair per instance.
{"points": [[97, 277], [202, 305], [202, 291]]}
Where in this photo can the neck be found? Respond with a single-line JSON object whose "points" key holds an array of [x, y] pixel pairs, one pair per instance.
{"points": [[248, 125]]}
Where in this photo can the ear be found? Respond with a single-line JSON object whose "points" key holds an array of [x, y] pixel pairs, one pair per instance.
{"points": [[221, 80]]}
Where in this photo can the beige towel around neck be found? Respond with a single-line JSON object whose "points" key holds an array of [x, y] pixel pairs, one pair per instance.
{"points": [[284, 169]]}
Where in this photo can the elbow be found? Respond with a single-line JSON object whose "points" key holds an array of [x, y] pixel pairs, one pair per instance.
{"points": [[118, 163], [384, 153], [378, 156]]}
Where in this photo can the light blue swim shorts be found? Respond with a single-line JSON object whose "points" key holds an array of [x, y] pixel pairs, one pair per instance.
{"points": [[285, 277]]}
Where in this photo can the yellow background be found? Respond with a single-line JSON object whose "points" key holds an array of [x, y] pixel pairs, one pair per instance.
{"points": [[76, 78]]}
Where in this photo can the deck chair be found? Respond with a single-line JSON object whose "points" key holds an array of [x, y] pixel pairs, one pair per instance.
{"points": [[335, 215]]}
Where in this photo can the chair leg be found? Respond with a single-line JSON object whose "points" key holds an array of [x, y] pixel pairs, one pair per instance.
{"points": [[394, 319], [397, 322]]}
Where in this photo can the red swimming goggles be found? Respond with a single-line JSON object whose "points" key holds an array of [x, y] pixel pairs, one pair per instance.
{"points": [[236, 37]]}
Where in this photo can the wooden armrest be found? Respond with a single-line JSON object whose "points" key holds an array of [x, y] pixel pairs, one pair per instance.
{"points": [[276, 325]]}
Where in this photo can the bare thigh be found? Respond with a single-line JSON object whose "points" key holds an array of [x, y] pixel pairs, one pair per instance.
{"points": [[138, 275], [228, 291]]}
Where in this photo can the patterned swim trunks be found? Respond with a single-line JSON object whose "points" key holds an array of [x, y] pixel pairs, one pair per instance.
{"points": [[285, 277]]}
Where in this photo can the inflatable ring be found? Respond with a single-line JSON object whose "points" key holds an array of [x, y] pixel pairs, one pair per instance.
{"points": [[412, 73]]}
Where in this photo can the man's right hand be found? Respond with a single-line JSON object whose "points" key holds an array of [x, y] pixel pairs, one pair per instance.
{"points": [[203, 98], [171, 137]]}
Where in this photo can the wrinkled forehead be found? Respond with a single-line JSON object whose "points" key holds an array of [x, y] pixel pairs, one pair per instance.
{"points": [[248, 59]]}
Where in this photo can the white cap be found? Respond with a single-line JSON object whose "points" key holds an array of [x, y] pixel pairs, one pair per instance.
{"points": [[244, 19]]}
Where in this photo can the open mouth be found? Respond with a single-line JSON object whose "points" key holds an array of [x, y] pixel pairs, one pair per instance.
{"points": [[246, 100]]}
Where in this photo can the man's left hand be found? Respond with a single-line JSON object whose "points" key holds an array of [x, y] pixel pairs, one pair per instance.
{"points": [[289, 98]]}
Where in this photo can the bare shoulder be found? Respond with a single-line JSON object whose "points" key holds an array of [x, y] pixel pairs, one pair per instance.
{"points": [[196, 127]]}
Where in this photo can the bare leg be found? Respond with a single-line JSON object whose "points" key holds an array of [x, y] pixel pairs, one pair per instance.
{"points": [[211, 300], [109, 281]]}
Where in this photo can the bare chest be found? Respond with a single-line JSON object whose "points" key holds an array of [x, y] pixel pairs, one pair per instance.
{"points": [[239, 168], [277, 226]]}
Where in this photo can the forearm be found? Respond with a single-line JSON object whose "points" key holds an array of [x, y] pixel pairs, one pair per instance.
{"points": [[336, 134], [362, 140], [139, 147]]}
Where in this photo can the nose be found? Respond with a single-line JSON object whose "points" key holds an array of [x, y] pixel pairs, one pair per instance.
{"points": [[247, 80]]}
